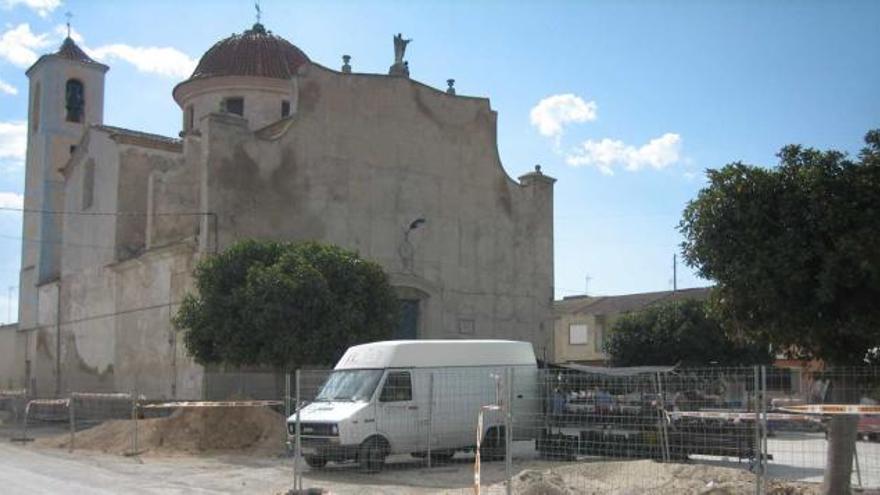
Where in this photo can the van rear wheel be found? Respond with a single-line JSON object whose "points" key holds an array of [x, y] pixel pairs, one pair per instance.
{"points": [[315, 461], [371, 456]]}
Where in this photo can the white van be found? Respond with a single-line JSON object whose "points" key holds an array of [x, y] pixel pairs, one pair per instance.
{"points": [[416, 396]]}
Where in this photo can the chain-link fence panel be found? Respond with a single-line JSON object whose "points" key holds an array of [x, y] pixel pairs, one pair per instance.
{"points": [[823, 417]]}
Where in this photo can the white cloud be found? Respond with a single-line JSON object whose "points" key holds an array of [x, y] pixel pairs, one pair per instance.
{"points": [[552, 113], [165, 61], [19, 44], [11, 200], [7, 88], [658, 153], [42, 7], [13, 140]]}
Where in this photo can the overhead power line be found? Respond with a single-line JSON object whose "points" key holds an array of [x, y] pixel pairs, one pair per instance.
{"points": [[109, 213]]}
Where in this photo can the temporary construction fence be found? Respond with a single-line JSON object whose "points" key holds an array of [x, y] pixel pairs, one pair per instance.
{"points": [[576, 428], [587, 429], [130, 424]]}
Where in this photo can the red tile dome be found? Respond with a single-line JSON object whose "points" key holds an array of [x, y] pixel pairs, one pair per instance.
{"points": [[255, 52]]}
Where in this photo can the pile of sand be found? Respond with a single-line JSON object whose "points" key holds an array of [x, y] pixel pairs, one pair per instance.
{"points": [[647, 477], [255, 430]]}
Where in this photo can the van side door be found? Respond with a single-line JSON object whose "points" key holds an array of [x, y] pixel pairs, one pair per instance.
{"points": [[397, 412]]}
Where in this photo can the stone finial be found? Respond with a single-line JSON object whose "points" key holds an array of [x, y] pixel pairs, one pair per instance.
{"points": [[450, 90], [346, 67], [536, 177]]}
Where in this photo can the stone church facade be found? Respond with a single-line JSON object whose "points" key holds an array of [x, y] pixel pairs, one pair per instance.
{"points": [[273, 146]]}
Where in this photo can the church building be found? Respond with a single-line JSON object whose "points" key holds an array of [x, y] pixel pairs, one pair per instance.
{"points": [[272, 146]]}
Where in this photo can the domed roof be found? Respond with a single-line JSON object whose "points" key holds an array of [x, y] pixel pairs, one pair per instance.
{"points": [[255, 52]]}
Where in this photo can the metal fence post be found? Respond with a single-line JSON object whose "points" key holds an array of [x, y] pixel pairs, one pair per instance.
{"points": [[765, 449], [286, 400], [756, 450], [663, 431], [508, 430], [430, 414], [297, 451], [134, 422], [72, 416], [24, 423]]}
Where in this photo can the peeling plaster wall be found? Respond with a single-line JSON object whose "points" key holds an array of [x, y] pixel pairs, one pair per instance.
{"points": [[115, 329], [147, 347], [366, 155], [137, 164], [174, 191]]}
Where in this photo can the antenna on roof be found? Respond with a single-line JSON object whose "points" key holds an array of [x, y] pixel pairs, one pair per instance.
{"points": [[69, 16], [259, 11]]}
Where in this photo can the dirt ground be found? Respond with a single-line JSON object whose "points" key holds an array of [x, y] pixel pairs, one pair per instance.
{"points": [[243, 453], [645, 477]]}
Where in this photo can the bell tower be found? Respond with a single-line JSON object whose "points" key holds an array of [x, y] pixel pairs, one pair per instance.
{"points": [[66, 92]]}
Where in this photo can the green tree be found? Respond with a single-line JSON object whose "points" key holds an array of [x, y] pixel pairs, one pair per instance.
{"points": [[793, 251], [678, 332], [285, 305]]}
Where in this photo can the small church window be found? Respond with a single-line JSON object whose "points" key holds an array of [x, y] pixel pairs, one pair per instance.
{"points": [[234, 105], [88, 185], [285, 108], [190, 118], [35, 109], [75, 100]]}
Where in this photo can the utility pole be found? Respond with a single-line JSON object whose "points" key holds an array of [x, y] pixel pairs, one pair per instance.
{"points": [[674, 273], [587, 285]]}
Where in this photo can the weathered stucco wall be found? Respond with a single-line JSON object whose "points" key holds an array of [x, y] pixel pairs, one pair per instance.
{"points": [[361, 158], [113, 316], [364, 157], [173, 199], [10, 375], [137, 164]]}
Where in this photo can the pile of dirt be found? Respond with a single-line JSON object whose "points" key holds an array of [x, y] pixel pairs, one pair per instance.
{"points": [[647, 477], [531, 482], [255, 430]]}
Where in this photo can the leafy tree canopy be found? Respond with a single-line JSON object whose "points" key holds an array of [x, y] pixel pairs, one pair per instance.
{"points": [[285, 305], [678, 332], [794, 249]]}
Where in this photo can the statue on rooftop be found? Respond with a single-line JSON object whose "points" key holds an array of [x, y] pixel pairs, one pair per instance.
{"points": [[400, 48], [400, 68]]}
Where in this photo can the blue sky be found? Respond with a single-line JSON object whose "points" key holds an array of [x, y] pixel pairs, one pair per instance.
{"points": [[626, 103]]}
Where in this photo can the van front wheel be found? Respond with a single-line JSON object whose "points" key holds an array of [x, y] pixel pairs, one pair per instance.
{"points": [[371, 456], [493, 448]]}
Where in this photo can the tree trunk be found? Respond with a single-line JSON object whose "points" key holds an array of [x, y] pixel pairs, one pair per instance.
{"points": [[841, 448], [842, 433]]}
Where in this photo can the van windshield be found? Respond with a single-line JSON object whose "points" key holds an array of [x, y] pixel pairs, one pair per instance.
{"points": [[353, 385]]}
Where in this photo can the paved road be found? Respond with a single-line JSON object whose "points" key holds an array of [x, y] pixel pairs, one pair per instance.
{"points": [[28, 469], [25, 470]]}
